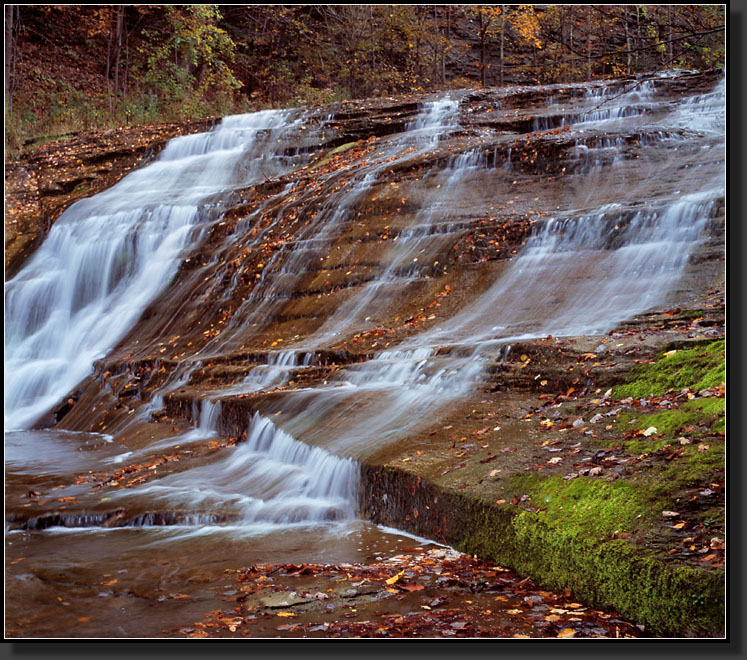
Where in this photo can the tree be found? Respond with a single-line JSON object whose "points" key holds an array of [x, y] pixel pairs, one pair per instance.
{"points": [[189, 56]]}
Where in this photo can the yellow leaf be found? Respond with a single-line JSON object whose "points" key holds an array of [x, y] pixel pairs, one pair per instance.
{"points": [[286, 614], [394, 578], [567, 632]]}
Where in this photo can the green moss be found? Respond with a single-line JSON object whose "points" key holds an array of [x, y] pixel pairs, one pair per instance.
{"points": [[694, 468], [586, 506], [694, 419], [696, 368], [556, 548], [637, 582], [332, 154]]}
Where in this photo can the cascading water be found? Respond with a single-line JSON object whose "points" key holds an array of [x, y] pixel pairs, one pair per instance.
{"points": [[108, 256], [269, 479], [613, 241]]}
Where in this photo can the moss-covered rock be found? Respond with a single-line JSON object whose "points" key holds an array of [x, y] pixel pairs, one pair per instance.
{"points": [[563, 541], [696, 368]]}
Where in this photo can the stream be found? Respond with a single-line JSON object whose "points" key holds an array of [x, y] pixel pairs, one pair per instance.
{"points": [[110, 554]]}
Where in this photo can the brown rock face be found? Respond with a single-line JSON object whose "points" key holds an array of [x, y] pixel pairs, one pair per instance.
{"points": [[442, 289]]}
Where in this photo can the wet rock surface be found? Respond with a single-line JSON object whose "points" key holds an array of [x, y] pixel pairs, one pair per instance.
{"points": [[44, 181], [287, 306], [420, 592]]}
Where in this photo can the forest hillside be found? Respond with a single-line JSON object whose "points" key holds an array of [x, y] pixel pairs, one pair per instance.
{"points": [[74, 67]]}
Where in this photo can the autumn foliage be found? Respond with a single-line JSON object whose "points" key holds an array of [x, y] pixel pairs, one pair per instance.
{"points": [[78, 66]]}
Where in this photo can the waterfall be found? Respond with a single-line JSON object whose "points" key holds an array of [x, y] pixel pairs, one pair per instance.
{"points": [[579, 273], [268, 480], [108, 256], [615, 241]]}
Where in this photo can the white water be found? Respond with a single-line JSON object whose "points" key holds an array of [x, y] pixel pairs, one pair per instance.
{"points": [[580, 273], [583, 270], [285, 268], [266, 481], [108, 256]]}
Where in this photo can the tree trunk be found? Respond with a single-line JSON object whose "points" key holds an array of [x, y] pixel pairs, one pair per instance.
{"points": [[126, 79], [447, 35], [638, 36], [588, 43], [627, 40], [570, 45], [669, 20], [119, 9], [483, 36], [10, 13], [108, 68], [503, 33]]}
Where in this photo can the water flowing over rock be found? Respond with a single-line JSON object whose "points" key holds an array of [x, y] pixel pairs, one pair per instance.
{"points": [[318, 284]]}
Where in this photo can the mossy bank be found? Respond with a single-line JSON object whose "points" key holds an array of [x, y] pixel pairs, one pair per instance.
{"points": [[637, 526], [666, 598]]}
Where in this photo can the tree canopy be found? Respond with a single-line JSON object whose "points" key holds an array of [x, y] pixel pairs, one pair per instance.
{"points": [[70, 66]]}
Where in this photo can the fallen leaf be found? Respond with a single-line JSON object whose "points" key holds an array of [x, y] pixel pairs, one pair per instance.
{"points": [[394, 578], [567, 632]]}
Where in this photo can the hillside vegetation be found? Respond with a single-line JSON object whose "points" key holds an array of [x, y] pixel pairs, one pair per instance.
{"points": [[74, 67]]}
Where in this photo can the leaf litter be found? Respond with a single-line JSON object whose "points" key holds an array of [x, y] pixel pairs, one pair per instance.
{"points": [[421, 592]]}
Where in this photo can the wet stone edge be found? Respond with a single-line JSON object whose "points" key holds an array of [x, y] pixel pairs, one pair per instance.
{"points": [[614, 573]]}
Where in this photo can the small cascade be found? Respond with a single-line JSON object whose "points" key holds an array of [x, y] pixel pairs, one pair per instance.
{"points": [[433, 123], [273, 373], [600, 104], [109, 255], [619, 269], [269, 479], [209, 416], [413, 252]]}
